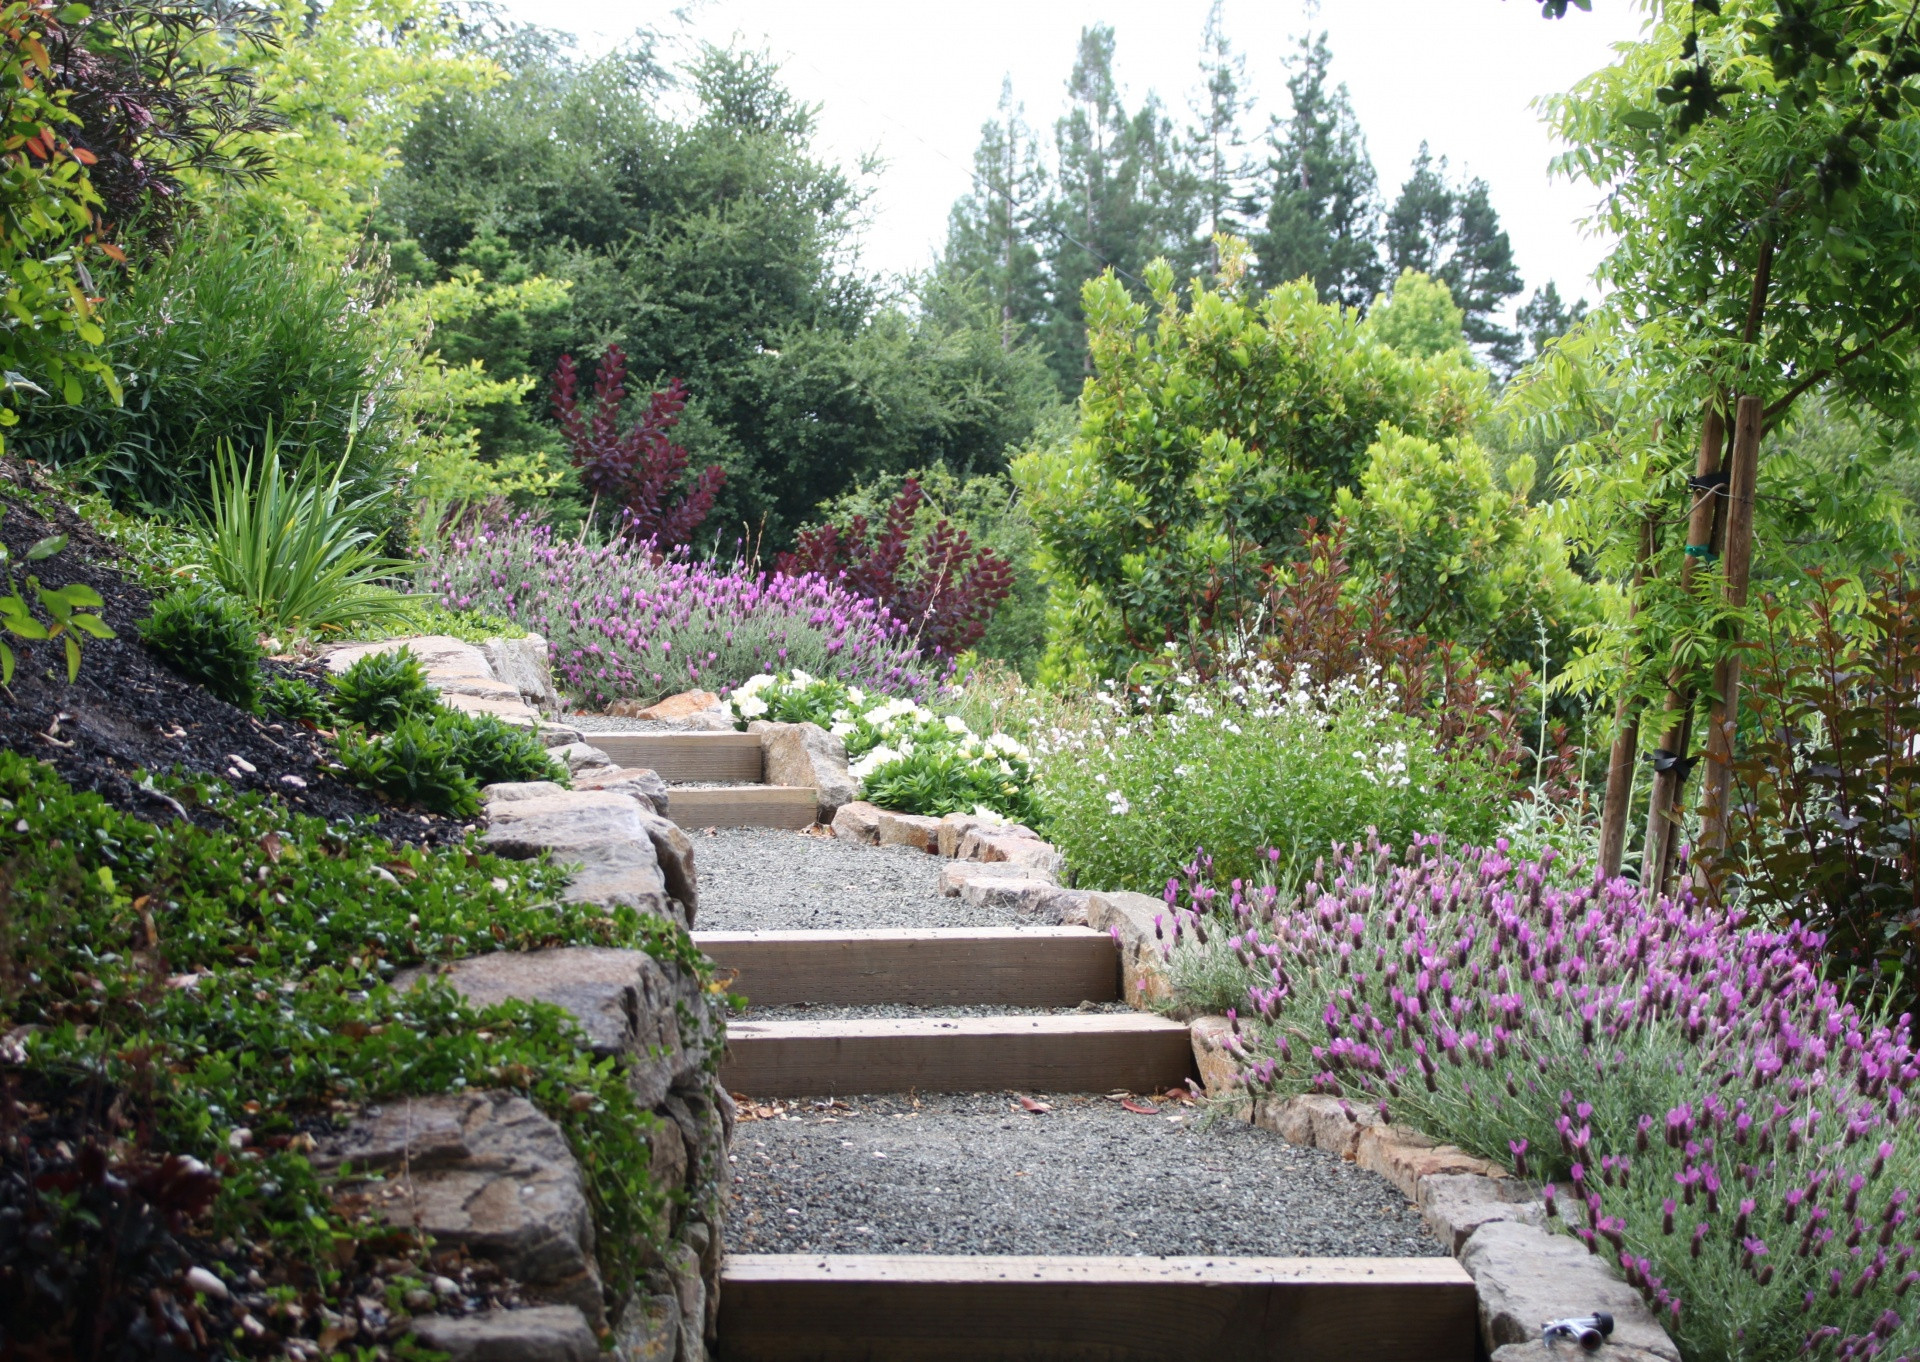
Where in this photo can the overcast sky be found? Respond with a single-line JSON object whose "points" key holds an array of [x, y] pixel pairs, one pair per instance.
{"points": [[914, 82]]}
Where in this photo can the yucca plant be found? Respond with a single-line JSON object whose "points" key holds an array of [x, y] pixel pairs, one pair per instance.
{"points": [[294, 549]]}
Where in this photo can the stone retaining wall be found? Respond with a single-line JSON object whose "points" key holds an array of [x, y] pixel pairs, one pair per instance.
{"points": [[489, 1173]]}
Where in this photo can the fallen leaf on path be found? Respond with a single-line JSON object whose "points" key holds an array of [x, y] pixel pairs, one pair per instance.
{"points": [[1141, 1109], [1033, 1106]]}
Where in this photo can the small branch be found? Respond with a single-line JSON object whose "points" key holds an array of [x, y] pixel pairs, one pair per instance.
{"points": [[1818, 376]]}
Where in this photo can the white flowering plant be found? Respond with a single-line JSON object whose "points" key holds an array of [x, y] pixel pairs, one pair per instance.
{"points": [[904, 756], [1145, 777]]}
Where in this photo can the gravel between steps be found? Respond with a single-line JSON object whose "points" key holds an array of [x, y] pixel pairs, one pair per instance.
{"points": [[906, 1011], [975, 1173], [761, 879]]}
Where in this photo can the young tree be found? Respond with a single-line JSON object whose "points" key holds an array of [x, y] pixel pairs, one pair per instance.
{"points": [[1760, 174], [1224, 166], [1323, 220], [1452, 232]]}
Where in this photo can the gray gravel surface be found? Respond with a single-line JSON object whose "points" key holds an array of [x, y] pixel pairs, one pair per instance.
{"points": [[614, 723], [758, 879], [822, 1012], [977, 1173]]}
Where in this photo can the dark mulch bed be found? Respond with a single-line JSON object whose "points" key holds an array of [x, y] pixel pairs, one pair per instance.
{"points": [[128, 714]]}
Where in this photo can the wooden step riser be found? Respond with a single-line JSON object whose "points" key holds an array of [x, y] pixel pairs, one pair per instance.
{"points": [[1045, 1054], [749, 806], [813, 1308], [1041, 967], [731, 757]]}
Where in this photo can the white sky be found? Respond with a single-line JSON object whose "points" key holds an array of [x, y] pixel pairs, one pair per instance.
{"points": [[914, 81]]}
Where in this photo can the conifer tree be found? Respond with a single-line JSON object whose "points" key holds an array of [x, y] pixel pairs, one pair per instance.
{"points": [[1323, 220], [992, 232], [1224, 169], [1452, 232]]}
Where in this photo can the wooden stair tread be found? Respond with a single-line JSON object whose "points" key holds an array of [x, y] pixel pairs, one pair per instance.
{"points": [[786, 1307], [1003, 966], [1067, 1053]]}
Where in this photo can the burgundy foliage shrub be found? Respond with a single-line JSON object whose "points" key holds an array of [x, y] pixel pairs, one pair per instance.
{"points": [[641, 469], [944, 588]]}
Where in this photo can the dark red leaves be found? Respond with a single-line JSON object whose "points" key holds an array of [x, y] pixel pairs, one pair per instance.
{"points": [[943, 588], [639, 470]]}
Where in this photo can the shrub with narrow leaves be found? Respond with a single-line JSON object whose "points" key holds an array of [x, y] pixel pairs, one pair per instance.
{"points": [[298, 700], [490, 750], [418, 763], [623, 623], [1711, 1116], [208, 637], [381, 689]]}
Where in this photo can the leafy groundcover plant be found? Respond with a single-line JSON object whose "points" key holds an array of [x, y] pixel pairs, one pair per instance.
{"points": [[904, 756], [1708, 1111], [184, 1007], [626, 623], [1142, 780]]}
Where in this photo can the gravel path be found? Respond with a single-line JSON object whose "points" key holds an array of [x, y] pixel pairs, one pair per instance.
{"points": [[978, 1174], [763, 879]]}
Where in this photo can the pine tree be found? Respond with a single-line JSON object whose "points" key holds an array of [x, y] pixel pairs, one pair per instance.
{"points": [[1323, 220], [1098, 217], [992, 232], [1453, 233]]}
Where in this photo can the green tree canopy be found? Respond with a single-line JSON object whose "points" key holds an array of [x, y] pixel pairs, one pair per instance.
{"points": [[1209, 434]]}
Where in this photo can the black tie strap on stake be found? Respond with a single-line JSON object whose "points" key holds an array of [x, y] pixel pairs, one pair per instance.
{"points": [[1704, 552], [1665, 761], [1712, 482]]}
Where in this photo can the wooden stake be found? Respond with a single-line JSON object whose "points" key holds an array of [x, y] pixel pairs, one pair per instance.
{"points": [[1724, 711], [1626, 741], [1656, 858]]}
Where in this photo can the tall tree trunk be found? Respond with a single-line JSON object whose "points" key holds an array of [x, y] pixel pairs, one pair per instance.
{"points": [[1724, 713], [1670, 761], [1615, 810]]}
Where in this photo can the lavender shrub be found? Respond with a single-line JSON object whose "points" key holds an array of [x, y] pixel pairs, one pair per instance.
{"points": [[1709, 1113], [622, 623]]}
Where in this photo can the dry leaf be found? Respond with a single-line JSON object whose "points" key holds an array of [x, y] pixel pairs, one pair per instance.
{"points": [[1141, 1109], [1034, 1106]]}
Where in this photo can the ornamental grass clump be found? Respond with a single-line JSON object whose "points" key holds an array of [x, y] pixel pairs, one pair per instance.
{"points": [[625, 623], [1709, 1113]]}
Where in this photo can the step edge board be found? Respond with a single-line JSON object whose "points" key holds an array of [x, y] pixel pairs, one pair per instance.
{"points": [[961, 1269], [1068, 1026]]}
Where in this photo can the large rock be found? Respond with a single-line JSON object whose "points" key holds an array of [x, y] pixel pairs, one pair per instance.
{"points": [[580, 756], [807, 756], [1040, 898], [546, 1333], [858, 822], [649, 1329], [606, 835], [682, 706], [1526, 1276], [908, 830], [1213, 1055], [523, 664], [674, 851], [1404, 1156], [1454, 1205], [1006, 845], [515, 711], [506, 791], [483, 1171], [640, 782], [955, 876], [1130, 918], [445, 658], [1315, 1120], [626, 1002]]}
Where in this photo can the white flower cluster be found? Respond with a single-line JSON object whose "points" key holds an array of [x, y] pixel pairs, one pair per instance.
{"points": [[750, 697]]}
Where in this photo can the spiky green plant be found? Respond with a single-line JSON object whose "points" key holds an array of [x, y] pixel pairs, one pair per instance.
{"points": [[295, 549]]}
